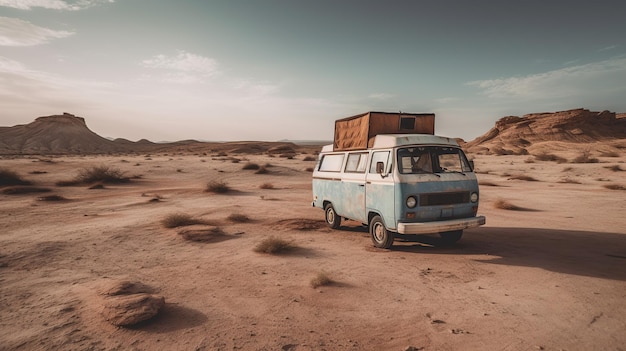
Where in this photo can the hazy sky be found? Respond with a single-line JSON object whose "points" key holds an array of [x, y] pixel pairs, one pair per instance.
{"points": [[286, 69]]}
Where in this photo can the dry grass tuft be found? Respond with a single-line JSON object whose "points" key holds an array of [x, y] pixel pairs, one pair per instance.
{"points": [[321, 279], [309, 158], [614, 168], [18, 189], [505, 205], [585, 157], [251, 165], [217, 186], [615, 187], [180, 220], [97, 174], [9, 177], [238, 218], [266, 186], [51, 198], [523, 177], [274, 246]]}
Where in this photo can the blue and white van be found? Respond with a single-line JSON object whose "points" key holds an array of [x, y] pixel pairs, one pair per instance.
{"points": [[403, 184]]}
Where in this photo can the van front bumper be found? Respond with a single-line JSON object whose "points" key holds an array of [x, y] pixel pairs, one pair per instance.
{"points": [[440, 226]]}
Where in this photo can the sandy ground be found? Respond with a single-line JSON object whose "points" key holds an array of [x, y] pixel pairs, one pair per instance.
{"points": [[552, 277]]}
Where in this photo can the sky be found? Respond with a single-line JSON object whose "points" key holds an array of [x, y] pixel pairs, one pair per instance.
{"points": [[234, 70]]}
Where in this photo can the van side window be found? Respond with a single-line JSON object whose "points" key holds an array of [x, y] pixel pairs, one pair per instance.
{"points": [[331, 163], [356, 163], [379, 156]]}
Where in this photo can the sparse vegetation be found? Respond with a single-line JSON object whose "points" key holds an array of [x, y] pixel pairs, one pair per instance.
{"points": [[218, 187], [274, 246], [615, 187], [238, 218], [523, 177], [505, 205], [251, 165], [20, 189], [614, 168], [97, 174], [544, 156], [51, 198], [9, 177], [309, 158], [321, 279], [180, 220], [266, 186], [585, 157]]}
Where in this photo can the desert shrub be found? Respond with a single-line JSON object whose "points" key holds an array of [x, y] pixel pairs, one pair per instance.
{"points": [[266, 186], [21, 189], [9, 177], [274, 246], [309, 169], [615, 187], [180, 220], [217, 186], [609, 154], [309, 158], [97, 174], [262, 170], [238, 218], [585, 157], [505, 205], [614, 168], [51, 198], [523, 177], [544, 156], [235, 160], [251, 165], [321, 279]]}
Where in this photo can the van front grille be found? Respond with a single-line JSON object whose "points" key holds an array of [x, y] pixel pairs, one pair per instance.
{"points": [[438, 199]]}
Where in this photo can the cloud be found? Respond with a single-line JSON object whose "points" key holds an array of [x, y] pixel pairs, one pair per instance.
{"points": [[16, 32], [52, 4], [380, 96], [604, 77], [183, 62], [608, 48]]}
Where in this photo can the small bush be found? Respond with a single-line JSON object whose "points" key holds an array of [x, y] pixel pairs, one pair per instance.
{"points": [[309, 158], [97, 174], [51, 198], [309, 169], [180, 220], [321, 279], [523, 177], [9, 177], [217, 186], [266, 186], [615, 187], [251, 165], [238, 218], [17, 190], [585, 157], [614, 168], [274, 246], [505, 205], [261, 170]]}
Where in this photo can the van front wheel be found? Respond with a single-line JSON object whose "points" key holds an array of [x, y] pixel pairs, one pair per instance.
{"points": [[451, 237], [381, 237], [332, 219]]}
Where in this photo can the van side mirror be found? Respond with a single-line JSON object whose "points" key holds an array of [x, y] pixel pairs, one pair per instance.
{"points": [[380, 167]]}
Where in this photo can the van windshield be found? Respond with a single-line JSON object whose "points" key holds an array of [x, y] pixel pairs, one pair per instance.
{"points": [[432, 159]]}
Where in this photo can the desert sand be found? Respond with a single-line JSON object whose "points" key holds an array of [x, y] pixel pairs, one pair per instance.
{"points": [[550, 275]]}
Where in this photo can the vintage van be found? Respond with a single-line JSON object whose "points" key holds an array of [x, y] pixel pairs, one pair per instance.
{"points": [[403, 184]]}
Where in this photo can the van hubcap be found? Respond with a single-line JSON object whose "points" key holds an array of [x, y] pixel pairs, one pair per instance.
{"points": [[330, 216], [379, 232]]}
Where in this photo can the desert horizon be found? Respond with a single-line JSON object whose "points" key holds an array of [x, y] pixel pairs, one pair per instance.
{"points": [[215, 246]]}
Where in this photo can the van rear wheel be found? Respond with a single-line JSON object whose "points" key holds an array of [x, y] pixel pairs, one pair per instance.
{"points": [[451, 237], [331, 217], [381, 237]]}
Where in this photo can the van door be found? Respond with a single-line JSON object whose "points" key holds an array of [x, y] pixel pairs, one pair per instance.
{"points": [[379, 188], [353, 183]]}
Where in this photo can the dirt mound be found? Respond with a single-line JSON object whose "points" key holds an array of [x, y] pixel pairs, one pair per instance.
{"points": [[299, 224], [128, 303], [514, 135]]}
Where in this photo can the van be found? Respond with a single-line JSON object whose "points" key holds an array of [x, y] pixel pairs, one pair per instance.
{"points": [[400, 185]]}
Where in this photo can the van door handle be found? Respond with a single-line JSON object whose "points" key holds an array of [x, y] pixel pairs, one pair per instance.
{"points": [[361, 184]]}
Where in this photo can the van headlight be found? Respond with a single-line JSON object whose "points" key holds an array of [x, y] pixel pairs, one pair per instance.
{"points": [[411, 201], [474, 197]]}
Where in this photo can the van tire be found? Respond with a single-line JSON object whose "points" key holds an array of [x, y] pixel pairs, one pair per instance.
{"points": [[452, 237], [381, 237], [331, 217]]}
